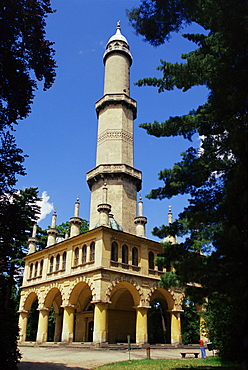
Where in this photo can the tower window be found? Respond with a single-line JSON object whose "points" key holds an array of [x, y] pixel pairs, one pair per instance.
{"points": [[35, 269], [114, 251], [84, 255], [30, 271], [41, 267], [151, 260], [92, 251], [124, 254], [76, 256], [57, 262], [135, 256], [64, 261], [51, 264]]}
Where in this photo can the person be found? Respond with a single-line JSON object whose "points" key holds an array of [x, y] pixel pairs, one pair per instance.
{"points": [[202, 348]]}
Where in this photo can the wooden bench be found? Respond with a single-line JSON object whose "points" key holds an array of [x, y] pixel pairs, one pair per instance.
{"points": [[189, 353]]}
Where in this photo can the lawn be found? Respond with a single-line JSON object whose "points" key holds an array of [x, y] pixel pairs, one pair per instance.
{"points": [[163, 364]]}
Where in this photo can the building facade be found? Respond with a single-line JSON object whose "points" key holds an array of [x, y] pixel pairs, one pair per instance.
{"points": [[103, 285]]}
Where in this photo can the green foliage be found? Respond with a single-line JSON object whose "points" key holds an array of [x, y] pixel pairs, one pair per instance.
{"points": [[32, 322], [214, 176], [168, 364], [190, 324], [26, 56]]}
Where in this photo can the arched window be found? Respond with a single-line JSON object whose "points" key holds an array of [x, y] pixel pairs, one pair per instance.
{"points": [[84, 254], [57, 262], [92, 251], [30, 271], [41, 267], [151, 260], [36, 269], [51, 264], [76, 256], [64, 261], [114, 251], [135, 256], [124, 254]]}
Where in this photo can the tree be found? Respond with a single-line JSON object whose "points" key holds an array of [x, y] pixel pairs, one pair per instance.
{"points": [[215, 175], [18, 212], [25, 55]]}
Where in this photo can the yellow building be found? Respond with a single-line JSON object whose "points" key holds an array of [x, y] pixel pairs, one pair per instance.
{"points": [[104, 285]]}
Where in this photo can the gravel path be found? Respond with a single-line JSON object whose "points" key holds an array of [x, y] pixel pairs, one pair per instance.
{"points": [[67, 358]]}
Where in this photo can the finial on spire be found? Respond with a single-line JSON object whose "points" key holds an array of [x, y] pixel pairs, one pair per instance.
{"points": [[118, 25]]}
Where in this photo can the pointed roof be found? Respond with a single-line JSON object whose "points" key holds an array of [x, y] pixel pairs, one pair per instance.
{"points": [[118, 35]]}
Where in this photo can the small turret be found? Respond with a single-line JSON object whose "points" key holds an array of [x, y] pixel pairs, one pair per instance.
{"points": [[52, 232], [140, 221], [171, 239], [104, 208], [75, 221], [32, 241]]}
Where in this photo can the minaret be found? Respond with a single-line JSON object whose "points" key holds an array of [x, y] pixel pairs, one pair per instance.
{"points": [[33, 241], [52, 232], [140, 221], [114, 158], [170, 238], [75, 221]]}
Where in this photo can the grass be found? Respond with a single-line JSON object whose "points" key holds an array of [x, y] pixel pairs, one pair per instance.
{"points": [[163, 364]]}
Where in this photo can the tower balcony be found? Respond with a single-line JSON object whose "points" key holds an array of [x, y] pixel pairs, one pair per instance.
{"points": [[113, 99], [105, 170]]}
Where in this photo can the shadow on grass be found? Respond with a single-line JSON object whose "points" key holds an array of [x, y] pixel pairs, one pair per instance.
{"points": [[25, 365]]}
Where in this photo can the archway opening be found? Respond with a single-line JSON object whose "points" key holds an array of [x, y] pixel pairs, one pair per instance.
{"points": [[32, 325], [121, 316], [158, 322], [81, 298]]}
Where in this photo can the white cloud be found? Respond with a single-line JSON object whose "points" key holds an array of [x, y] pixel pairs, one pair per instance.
{"points": [[46, 206]]}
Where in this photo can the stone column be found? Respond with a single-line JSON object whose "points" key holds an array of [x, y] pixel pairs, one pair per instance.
{"points": [[58, 328], [41, 336], [23, 322], [68, 324], [100, 322], [176, 334], [141, 325]]}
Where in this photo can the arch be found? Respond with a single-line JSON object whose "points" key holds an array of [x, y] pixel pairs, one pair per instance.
{"points": [[53, 295], [159, 318], [78, 290], [122, 313], [30, 300]]}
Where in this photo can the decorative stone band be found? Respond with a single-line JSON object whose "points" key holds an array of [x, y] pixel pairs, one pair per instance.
{"points": [[105, 170], [115, 134], [76, 220], [140, 220], [114, 99], [52, 231]]}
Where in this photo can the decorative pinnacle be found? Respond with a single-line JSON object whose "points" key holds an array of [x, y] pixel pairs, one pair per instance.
{"points": [[118, 25]]}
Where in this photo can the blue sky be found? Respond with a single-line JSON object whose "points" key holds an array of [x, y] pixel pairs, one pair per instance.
{"points": [[60, 134]]}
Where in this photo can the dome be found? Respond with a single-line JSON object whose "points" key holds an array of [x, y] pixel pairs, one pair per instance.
{"points": [[118, 35]]}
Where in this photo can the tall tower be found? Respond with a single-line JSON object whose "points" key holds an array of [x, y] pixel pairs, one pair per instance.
{"points": [[114, 159]]}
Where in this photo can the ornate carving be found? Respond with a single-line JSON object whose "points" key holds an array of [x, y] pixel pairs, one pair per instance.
{"points": [[115, 134]]}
